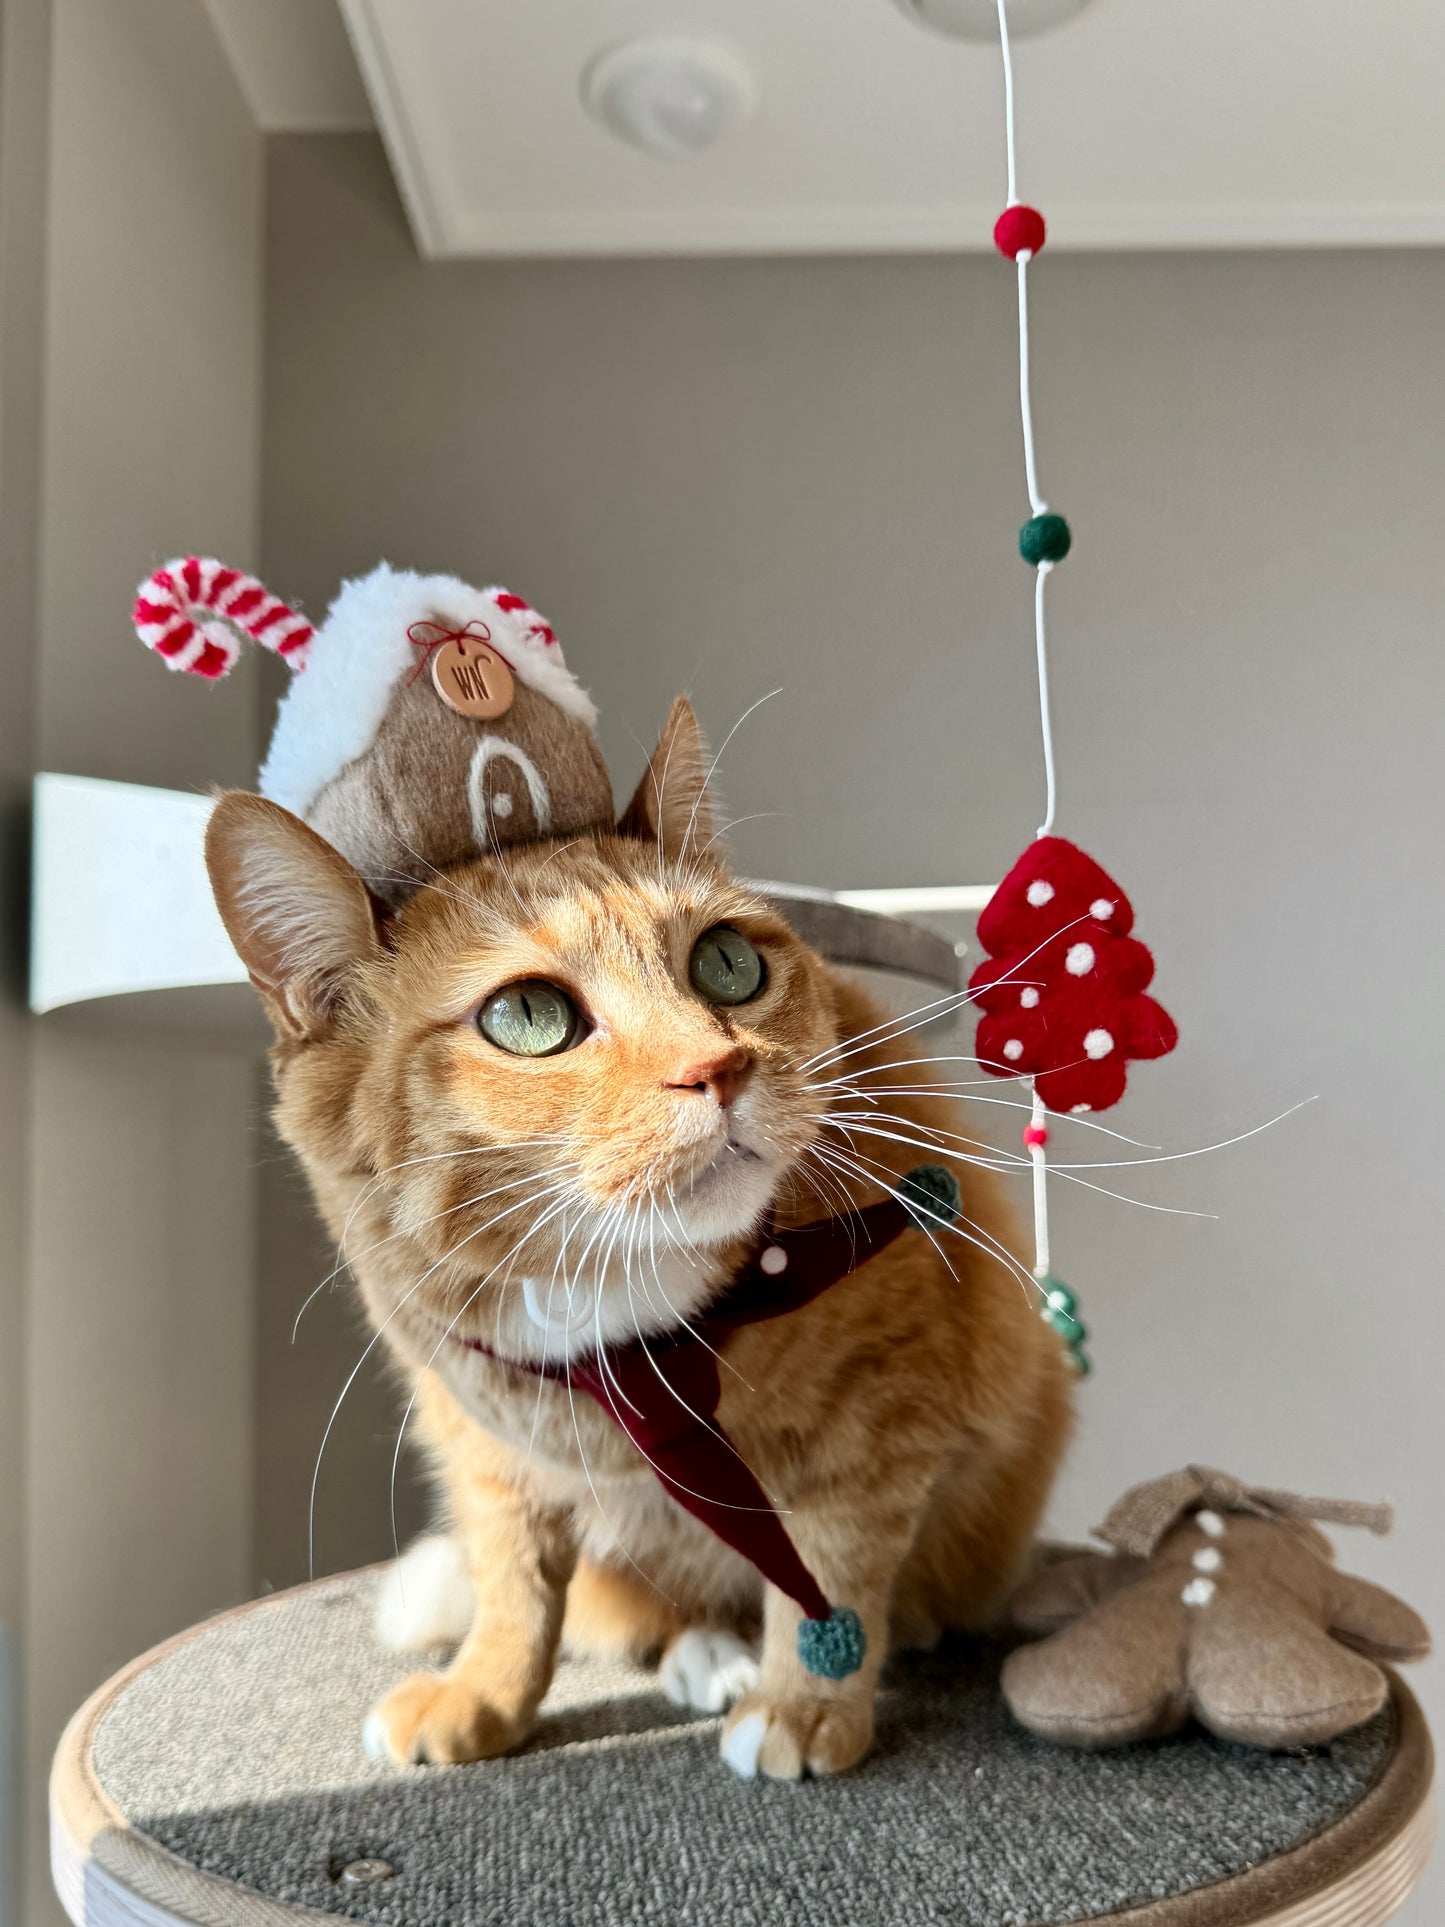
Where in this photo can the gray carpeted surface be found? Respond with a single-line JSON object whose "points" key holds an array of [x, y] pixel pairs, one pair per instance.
{"points": [[241, 1753]]}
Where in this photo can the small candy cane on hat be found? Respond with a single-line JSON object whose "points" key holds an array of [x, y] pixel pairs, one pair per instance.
{"points": [[534, 625], [195, 614]]}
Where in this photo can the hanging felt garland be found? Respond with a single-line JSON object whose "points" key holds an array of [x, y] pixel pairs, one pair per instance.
{"points": [[1063, 993]]}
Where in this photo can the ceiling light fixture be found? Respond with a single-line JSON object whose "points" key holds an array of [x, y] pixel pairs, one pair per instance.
{"points": [[666, 95], [978, 19]]}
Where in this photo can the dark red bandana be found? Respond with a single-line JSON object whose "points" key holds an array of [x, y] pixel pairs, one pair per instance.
{"points": [[664, 1393]]}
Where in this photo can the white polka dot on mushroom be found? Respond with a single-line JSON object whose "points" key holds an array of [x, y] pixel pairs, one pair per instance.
{"points": [[1080, 960], [1013, 1050], [1039, 893], [1101, 908], [1029, 998], [1097, 1044]]}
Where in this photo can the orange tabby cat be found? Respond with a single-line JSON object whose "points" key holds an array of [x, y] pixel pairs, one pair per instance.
{"points": [[547, 1170]]}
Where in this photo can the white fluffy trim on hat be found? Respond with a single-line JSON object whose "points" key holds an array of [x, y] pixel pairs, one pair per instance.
{"points": [[331, 713]]}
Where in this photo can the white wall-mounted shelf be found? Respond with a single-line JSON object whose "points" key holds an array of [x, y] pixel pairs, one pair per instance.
{"points": [[124, 934]]}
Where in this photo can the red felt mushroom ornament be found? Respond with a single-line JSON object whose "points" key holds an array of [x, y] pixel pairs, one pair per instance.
{"points": [[1064, 991]]}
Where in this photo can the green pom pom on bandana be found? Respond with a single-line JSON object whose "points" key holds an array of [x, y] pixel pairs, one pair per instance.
{"points": [[1044, 538], [930, 1196], [832, 1648]]}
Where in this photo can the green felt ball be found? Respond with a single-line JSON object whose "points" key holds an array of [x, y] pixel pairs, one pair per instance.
{"points": [[930, 1196], [832, 1648], [1060, 1314], [1044, 538]]}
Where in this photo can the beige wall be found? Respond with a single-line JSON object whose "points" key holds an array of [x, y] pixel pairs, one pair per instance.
{"points": [[734, 475], [140, 1194], [24, 58]]}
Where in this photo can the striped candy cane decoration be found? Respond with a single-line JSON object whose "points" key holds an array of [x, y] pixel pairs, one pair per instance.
{"points": [[534, 624], [195, 614]]}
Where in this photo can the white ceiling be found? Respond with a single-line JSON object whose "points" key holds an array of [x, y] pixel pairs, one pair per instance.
{"points": [[1143, 123]]}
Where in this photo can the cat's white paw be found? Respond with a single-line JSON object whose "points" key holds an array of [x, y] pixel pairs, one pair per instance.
{"points": [[425, 1599], [786, 1738], [374, 1742], [742, 1742], [707, 1670]]}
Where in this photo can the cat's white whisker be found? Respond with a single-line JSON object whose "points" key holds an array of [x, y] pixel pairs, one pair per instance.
{"points": [[1065, 1176], [989, 1155], [346, 1260], [975, 1233], [1177, 1157], [833, 1151], [844, 1159], [906, 1063], [915, 1020], [592, 1488], [542, 1380], [726, 829], [712, 769], [850, 1046], [446, 1335], [601, 1353], [959, 1091], [366, 1353], [413, 1226]]}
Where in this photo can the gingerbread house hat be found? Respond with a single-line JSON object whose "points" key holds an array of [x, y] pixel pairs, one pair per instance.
{"points": [[427, 721]]}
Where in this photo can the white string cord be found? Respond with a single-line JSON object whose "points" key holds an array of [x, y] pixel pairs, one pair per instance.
{"points": [[1041, 651], [1038, 1131], [1026, 407], [1008, 103], [1040, 1122], [1037, 503]]}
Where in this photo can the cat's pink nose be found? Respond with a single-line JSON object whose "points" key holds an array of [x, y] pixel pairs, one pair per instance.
{"points": [[720, 1077]]}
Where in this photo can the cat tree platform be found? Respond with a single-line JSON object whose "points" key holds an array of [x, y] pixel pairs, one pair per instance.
{"points": [[221, 1780]]}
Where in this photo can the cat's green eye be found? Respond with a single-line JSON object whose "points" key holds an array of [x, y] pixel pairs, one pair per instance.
{"points": [[724, 967], [529, 1019]]}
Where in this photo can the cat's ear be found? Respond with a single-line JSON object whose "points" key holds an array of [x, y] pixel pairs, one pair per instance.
{"points": [[671, 805], [299, 915]]}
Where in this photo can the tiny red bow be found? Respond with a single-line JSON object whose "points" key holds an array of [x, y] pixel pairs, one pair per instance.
{"points": [[428, 636]]}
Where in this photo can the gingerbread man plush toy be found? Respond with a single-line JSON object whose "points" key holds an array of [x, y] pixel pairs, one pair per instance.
{"points": [[1219, 1602]]}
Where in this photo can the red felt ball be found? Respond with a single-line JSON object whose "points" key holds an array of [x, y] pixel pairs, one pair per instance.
{"points": [[1019, 229]]}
